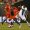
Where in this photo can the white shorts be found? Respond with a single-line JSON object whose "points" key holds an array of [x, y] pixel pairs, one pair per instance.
{"points": [[10, 21], [23, 17], [4, 17], [0, 19]]}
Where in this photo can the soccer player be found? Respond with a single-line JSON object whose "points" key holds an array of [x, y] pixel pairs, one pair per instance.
{"points": [[17, 19], [22, 13], [7, 10]]}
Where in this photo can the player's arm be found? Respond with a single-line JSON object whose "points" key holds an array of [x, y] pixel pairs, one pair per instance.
{"points": [[5, 10]]}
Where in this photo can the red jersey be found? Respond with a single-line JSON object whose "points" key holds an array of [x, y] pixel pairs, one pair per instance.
{"points": [[8, 14], [15, 10], [7, 7]]}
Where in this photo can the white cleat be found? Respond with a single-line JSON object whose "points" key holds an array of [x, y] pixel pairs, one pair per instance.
{"points": [[29, 24], [8, 26]]}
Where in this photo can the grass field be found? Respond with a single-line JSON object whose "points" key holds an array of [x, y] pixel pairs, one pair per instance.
{"points": [[16, 27]]}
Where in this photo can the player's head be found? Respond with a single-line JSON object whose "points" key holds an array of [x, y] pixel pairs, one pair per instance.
{"points": [[7, 3], [22, 7], [25, 8]]}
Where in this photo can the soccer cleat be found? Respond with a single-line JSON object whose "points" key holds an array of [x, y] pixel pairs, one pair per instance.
{"points": [[29, 24], [9, 26]]}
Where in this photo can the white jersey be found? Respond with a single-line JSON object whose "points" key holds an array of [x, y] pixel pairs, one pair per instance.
{"points": [[22, 16], [22, 11]]}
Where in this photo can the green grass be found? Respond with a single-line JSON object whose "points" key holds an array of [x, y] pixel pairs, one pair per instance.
{"points": [[16, 27]]}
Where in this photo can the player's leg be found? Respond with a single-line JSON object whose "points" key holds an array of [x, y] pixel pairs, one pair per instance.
{"points": [[9, 22], [18, 21], [27, 23], [24, 18], [12, 22], [4, 19]]}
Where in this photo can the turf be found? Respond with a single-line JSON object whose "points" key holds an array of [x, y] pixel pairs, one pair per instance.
{"points": [[16, 27]]}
